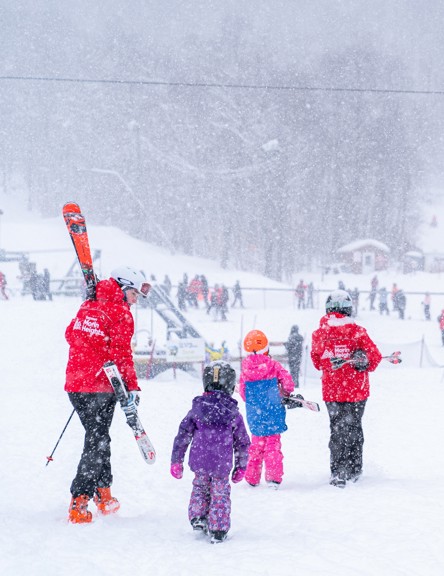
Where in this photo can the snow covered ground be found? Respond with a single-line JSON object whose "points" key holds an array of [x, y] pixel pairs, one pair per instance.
{"points": [[389, 523]]}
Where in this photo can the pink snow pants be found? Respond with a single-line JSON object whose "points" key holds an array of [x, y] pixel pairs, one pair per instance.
{"points": [[265, 449]]}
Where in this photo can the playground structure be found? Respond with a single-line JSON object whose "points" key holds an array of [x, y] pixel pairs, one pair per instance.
{"points": [[184, 347]]}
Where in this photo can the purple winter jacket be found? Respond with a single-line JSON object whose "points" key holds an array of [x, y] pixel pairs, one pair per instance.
{"points": [[216, 429]]}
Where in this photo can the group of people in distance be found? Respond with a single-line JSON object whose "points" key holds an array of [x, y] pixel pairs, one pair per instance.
{"points": [[215, 299], [221, 449]]}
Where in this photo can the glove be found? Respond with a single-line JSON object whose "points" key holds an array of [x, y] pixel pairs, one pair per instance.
{"points": [[131, 403], [359, 360], [291, 401], [238, 475], [177, 470]]}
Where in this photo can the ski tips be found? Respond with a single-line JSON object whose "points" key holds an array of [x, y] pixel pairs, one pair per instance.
{"points": [[71, 207]]}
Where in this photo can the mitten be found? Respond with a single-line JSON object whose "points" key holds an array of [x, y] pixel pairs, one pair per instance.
{"points": [[359, 360], [291, 401], [131, 403], [238, 475], [177, 470]]}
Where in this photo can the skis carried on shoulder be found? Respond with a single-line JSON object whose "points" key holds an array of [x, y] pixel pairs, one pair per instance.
{"points": [[76, 225], [132, 418]]}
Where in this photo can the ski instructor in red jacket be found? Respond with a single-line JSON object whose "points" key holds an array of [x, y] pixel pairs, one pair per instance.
{"points": [[102, 330], [345, 389]]}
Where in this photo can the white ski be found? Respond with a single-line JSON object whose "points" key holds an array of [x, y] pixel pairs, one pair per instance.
{"points": [[132, 418]]}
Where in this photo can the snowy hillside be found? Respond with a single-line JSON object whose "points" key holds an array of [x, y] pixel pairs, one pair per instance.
{"points": [[390, 523]]}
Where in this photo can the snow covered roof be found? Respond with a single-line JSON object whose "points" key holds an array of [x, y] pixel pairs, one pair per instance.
{"points": [[358, 244]]}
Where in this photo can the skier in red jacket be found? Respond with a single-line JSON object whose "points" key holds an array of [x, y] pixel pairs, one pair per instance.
{"points": [[102, 330], [344, 390]]}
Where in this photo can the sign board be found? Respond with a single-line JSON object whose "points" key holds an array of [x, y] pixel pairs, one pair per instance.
{"points": [[185, 350]]}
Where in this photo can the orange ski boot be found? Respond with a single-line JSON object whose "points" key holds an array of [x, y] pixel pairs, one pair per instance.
{"points": [[78, 510], [105, 503]]}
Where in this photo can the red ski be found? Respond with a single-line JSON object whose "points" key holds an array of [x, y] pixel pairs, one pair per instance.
{"points": [[75, 223]]}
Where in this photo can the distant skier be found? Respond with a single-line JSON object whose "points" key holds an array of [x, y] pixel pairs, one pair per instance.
{"points": [[300, 294], [310, 291], [194, 290], [237, 293], [441, 325], [3, 284], [426, 303], [216, 431], [354, 294], [46, 284], [345, 390], [393, 293], [294, 347], [181, 296], [383, 298], [166, 285], [205, 289], [400, 302], [373, 291]]}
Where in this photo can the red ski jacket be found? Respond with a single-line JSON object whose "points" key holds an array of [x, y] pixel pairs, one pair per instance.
{"points": [[101, 331], [338, 336]]}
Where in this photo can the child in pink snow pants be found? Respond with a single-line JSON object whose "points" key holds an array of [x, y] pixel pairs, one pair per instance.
{"points": [[262, 385]]}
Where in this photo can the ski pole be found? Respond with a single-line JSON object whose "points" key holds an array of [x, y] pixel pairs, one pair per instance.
{"points": [[50, 457]]}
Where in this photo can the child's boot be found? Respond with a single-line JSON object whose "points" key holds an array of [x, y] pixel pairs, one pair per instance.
{"points": [[218, 536], [78, 510], [105, 503], [199, 524]]}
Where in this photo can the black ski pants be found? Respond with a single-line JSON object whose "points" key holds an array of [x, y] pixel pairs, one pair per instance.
{"points": [[94, 470], [295, 368], [346, 437]]}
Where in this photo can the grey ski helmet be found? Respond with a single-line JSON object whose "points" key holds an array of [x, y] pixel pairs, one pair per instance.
{"points": [[339, 301]]}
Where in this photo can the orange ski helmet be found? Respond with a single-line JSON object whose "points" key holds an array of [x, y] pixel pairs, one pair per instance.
{"points": [[255, 342]]}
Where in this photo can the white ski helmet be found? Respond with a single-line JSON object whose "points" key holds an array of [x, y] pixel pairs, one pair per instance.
{"points": [[127, 277], [339, 301]]}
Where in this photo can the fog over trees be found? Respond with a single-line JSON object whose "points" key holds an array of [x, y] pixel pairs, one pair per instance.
{"points": [[263, 134]]}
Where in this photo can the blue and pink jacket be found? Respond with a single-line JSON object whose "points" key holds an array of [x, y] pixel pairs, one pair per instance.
{"points": [[262, 384]]}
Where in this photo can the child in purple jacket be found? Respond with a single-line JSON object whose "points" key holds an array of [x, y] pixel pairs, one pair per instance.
{"points": [[216, 430]]}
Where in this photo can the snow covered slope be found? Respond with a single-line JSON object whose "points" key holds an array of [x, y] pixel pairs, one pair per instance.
{"points": [[390, 523]]}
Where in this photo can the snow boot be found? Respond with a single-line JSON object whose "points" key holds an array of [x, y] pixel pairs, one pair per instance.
{"points": [[338, 480], [199, 524], [218, 536], [78, 510], [105, 503], [273, 484], [354, 477]]}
